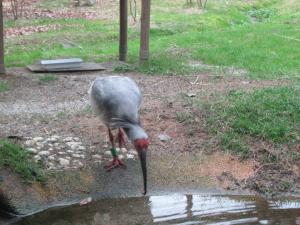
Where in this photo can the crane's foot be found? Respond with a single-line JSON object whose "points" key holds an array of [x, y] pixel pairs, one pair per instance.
{"points": [[115, 164]]}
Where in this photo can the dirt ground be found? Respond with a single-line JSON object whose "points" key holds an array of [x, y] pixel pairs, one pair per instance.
{"points": [[33, 108]]}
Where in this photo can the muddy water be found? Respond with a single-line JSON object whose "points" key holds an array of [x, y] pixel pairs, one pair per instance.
{"points": [[174, 209]]}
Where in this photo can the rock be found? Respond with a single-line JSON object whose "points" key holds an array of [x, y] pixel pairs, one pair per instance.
{"points": [[107, 153], [88, 2], [78, 156], [81, 148], [32, 150], [105, 146], [191, 95], [129, 156], [36, 139], [64, 162], [61, 153], [121, 157], [123, 150], [68, 139], [77, 163], [40, 144], [29, 142], [56, 144], [96, 156], [118, 149], [76, 139], [70, 151], [37, 158], [50, 149], [51, 140], [44, 153], [164, 137], [56, 137], [51, 157], [133, 152]]}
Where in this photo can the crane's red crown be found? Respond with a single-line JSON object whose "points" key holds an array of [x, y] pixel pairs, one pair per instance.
{"points": [[141, 144]]}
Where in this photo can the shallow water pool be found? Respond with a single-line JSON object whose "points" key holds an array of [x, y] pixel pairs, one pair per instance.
{"points": [[177, 209]]}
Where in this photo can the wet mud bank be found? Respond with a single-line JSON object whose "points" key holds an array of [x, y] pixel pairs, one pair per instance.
{"points": [[166, 176]]}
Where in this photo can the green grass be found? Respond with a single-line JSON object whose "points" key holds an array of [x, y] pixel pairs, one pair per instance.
{"points": [[258, 36], [18, 159], [269, 114], [3, 86], [47, 78]]}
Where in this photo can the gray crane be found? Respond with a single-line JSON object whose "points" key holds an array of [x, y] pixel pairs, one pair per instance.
{"points": [[116, 100]]}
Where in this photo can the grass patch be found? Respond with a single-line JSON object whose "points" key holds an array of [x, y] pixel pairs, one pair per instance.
{"points": [[269, 114], [18, 159], [223, 35], [3, 86], [47, 78]]}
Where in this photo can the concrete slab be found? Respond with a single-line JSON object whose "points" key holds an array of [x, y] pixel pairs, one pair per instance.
{"points": [[38, 68]]}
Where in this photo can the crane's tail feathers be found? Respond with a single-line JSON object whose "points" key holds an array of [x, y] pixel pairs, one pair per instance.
{"points": [[119, 123]]}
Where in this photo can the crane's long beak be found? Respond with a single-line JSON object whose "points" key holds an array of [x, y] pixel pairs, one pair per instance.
{"points": [[143, 158]]}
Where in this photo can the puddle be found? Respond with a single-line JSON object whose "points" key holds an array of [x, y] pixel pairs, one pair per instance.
{"points": [[176, 209]]}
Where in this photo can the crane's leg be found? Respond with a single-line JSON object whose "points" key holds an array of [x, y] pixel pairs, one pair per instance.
{"points": [[121, 138], [116, 162]]}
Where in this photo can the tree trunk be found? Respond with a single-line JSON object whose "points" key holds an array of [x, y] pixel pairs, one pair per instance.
{"points": [[145, 29], [2, 68], [123, 30]]}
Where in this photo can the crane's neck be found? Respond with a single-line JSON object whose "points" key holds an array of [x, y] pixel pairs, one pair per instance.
{"points": [[135, 132]]}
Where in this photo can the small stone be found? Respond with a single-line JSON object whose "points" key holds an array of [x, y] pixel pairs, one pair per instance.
{"points": [[107, 153], [44, 153], [29, 142], [68, 139], [96, 157], [76, 139], [56, 137], [121, 157], [38, 139], [191, 95], [77, 163], [56, 144], [40, 144], [70, 151], [133, 152], [129, 156], [64, 162], [32, 150], [123, 150], [118, 149], [51, 157], [37, 158], [78, 156], [105, 146], [263, 222], [61, 153], [68, 157], [98, 161], [51, 139], [50, 149], [81, 148], [164, 137]]}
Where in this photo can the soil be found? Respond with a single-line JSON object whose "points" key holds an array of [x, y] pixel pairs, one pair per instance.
{"points": [[191, 158]]}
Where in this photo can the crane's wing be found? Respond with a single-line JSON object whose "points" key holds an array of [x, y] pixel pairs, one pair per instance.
{"points": [[116, 100]]}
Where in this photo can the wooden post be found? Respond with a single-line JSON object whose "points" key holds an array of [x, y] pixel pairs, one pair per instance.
{"points": [[2, 68], [123, 30], [145, 29]]}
